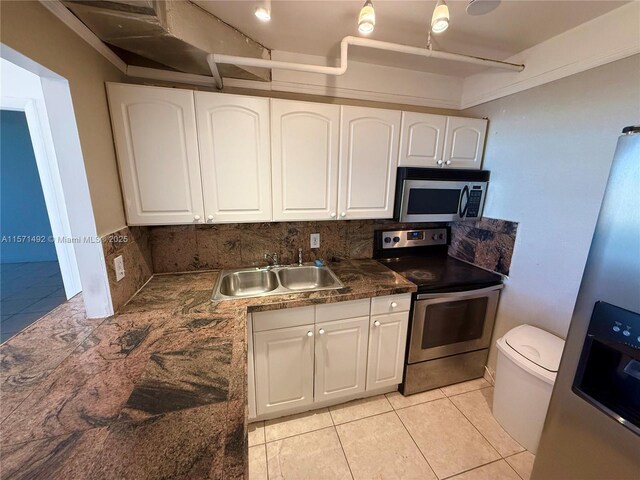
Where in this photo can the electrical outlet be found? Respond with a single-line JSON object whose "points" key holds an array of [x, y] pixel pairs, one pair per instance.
{"points": [[315, 240], [118, 263]]}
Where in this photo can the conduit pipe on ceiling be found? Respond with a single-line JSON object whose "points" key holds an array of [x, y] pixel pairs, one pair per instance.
{"points": [[214, 58]]}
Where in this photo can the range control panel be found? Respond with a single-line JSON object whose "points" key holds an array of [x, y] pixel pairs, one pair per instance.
{"points": [[414, 238]]}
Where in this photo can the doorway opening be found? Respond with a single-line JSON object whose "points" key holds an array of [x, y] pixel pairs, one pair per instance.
{"points": [[30, 279], [50, 250]]}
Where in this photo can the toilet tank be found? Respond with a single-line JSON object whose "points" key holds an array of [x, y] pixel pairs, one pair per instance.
{"points": [[528, 360]]}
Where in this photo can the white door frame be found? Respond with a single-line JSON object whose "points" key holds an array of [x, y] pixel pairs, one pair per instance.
{"points": [[52, 190], [45, 98]]}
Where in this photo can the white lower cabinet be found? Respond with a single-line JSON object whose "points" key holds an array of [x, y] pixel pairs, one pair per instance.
{"points": [[341, 358], [283, 368], [325, 354], [387, 344]]}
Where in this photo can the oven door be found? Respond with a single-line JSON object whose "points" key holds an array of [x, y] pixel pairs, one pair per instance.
{"points": [[449, 323], [441, 201]]}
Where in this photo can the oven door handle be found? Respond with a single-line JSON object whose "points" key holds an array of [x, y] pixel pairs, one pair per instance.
{"points": [[465, 293]]}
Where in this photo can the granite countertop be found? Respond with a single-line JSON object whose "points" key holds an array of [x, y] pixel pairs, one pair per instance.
{"points": [[156, 391]]}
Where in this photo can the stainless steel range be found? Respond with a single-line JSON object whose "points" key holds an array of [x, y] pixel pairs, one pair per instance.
{"points": [[452, 313]]}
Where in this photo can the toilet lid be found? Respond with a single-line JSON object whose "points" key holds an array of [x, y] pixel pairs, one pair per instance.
{"points": [[540, 347]]}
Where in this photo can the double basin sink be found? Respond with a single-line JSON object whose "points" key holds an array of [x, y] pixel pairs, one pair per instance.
{"points": [[258, 282]]}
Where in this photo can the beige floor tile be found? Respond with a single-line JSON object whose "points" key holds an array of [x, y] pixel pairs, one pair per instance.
{"points": [[297, 424], [476, 406], [379, 447], [398, 400], [447, 439], [522, 463], [465, 387], [494, 471], [357, 409], [313, 456], [258, 463], [256, 433]]}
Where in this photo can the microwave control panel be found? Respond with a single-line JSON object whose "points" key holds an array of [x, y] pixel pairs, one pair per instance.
{"points": [[475, 199]]}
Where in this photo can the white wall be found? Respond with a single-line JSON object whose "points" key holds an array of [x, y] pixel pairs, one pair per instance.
{"points": [[549, 150]]}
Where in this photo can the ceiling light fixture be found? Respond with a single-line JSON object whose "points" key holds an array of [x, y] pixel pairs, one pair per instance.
{"points": [[482, 7], [440, 18], [367, 18], [262, 14]]}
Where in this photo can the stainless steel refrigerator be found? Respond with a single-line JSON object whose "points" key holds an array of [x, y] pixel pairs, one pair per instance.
{"points": [[592, 429]]}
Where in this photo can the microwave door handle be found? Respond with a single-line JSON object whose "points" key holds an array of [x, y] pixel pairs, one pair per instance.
{"points": [[464, 199]]}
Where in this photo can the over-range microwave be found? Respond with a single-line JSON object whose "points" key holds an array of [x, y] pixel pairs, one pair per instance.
{"points": [[439, 195]]}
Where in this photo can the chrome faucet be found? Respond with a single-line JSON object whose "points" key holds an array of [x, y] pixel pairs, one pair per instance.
{"points": [[272, 259], [300, 257]]}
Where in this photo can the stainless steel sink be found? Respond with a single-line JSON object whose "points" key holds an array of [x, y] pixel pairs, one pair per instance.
{"points": [[248, 283], [307, 278], [258, 282]]}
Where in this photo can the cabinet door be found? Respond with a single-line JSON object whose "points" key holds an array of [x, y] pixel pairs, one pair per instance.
{"points": [[155, 135], [464, 142], [387, 345], [304, 149], [341, 358], [233, 135], [368, 162], [421, 139], [283, 368]]}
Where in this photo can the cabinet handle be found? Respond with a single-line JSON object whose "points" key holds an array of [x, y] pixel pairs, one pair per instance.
{"points": [[309, 334], [376, 323], [196, 217], [343, 214], [439, 162], [210, 217], [394, 304], [321, 331], [448, 162], [333, 214]]}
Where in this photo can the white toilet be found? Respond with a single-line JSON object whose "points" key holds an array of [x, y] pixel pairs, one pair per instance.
{"points": [[528, 360]]}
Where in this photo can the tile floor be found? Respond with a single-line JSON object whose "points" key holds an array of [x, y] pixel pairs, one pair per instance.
{"points": [[444, 433], [27, 292]]}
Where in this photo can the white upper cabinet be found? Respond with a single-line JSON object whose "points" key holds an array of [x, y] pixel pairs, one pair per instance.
{"points": [[422, 140], [341, 358], [368, 162], [304, 157], [156, 142], [464, 142], [233, 135]]}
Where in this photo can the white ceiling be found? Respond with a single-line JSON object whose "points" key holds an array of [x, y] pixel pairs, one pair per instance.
{"points": [[316, 27]]}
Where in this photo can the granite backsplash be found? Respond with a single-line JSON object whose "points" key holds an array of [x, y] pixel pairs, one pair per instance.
{"points": [[133, 244], [487, 243]]}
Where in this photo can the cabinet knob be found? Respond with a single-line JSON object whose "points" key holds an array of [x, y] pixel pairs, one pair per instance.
{"points": [[196, 217], [343, 214], [376, 323], [333, 214], [210, 217], [321, 331], [394, 304], [309, 334], [439, 162], [448, 162]]}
